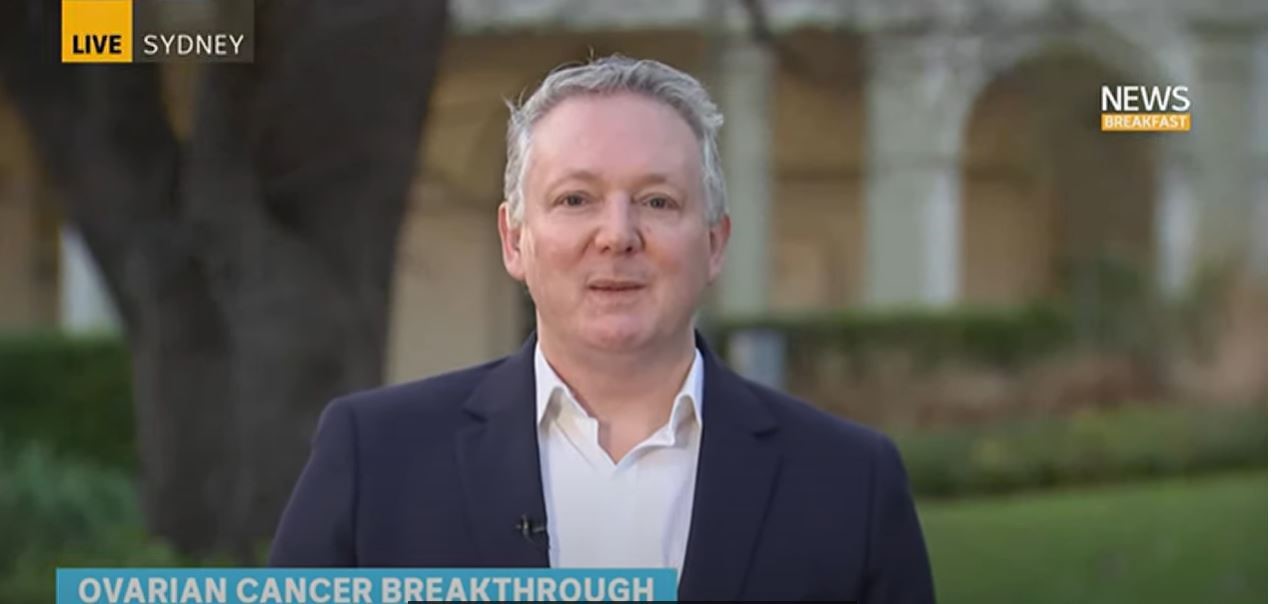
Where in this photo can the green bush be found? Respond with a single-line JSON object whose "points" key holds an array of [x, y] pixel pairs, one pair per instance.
{"points": [[998, 336], [56, 512], [72, 393], [1129, 443], [31, 579], [48, 504]]}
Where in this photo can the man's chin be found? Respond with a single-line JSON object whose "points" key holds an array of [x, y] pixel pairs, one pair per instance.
{"points": [[617, 338]]}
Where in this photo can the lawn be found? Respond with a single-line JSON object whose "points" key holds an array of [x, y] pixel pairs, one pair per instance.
{"points": [[1190, 540]]}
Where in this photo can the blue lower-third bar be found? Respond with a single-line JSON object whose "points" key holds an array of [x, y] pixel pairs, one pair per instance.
{"points": [[360, 586]]}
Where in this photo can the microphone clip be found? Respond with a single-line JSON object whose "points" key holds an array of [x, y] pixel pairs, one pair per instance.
{"points": [[530, 529]]}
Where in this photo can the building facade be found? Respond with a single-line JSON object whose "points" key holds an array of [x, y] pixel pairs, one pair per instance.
{"points": [[878, 154]]}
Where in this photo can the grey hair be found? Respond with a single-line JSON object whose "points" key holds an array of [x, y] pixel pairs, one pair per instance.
{"points": [[611, 75]]}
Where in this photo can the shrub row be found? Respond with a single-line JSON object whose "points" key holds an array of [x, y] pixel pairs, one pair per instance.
{"points": [[57, 511], [1128, 443], [60, 512], [72, 394], [998, 336]]}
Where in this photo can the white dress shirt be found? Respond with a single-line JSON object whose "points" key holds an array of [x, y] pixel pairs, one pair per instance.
{"points": [[634, 513]]}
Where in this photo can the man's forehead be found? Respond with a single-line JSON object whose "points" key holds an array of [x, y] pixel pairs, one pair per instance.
{"points": [[614, 115], [548, 169], [591, 137]]}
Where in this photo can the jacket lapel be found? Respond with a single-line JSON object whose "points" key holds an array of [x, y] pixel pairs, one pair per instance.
{"points": [[498, 463], [736, 467]]}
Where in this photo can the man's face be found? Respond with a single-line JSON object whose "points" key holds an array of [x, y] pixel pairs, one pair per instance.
{"points": [[614, 244]]}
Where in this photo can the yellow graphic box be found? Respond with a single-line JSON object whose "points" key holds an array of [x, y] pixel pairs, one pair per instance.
{"points": [[96, 31]]}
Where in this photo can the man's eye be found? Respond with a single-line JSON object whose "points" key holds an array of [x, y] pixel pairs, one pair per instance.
{"points": [[572, 201], [660, 203]]}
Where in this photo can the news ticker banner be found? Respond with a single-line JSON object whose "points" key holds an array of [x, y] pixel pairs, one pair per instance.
{"points": [[360, 586], [155, 31]]}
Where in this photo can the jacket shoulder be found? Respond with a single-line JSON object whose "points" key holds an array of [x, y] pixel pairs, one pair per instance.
{"points": [[438, 395]]}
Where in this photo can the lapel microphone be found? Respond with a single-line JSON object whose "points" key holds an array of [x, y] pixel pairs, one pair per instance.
{"points": [[530, 529]]}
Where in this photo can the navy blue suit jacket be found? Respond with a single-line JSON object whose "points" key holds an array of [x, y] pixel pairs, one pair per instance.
{"points": [[791, 503]]}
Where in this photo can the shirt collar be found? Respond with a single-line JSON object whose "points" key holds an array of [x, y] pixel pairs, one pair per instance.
{"points": [[688, 401]]}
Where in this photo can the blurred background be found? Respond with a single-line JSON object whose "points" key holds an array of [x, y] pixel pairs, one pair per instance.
{"points": [[1064, 329]]}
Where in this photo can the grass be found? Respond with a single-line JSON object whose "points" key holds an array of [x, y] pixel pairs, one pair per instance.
{"points": [[1186, 540]]}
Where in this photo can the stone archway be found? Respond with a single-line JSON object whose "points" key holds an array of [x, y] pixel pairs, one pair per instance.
{"points": [[29, 221], [1051, 205]]}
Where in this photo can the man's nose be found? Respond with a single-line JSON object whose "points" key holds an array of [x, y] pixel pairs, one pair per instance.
{"points": [[619, 230]]}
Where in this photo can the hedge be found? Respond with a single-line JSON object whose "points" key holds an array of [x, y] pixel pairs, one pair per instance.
{"points": [[61, 512], [56, 512], [1124, 444], [72, 394], [998, 336]]}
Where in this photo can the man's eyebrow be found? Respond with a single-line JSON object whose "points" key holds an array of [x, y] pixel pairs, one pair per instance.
{"points": [[656, 178]]}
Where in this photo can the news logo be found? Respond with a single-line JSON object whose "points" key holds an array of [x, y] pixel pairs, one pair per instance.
{"points": [[1138, 108], [152, 31]]}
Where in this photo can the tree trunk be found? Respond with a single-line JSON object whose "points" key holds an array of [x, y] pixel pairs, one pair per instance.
{"points": [[252, 263]]}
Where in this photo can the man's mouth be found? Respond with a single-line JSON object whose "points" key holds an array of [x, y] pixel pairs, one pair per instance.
{"points": [[614, 285]]}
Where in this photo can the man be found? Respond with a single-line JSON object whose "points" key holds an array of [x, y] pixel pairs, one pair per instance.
{"points": [[614, 437]]}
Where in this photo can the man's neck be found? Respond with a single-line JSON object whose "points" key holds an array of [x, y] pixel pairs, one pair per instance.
{"points": [[630, 393]]}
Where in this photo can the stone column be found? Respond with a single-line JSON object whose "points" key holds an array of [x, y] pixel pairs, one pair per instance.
{"points": [[1176, 218], [917, 100], [1229, 134], [744, 95], [743, 83], [1258, 133]]}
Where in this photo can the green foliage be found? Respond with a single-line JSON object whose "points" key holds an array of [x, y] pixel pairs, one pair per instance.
{"points": [[998, 336], [71, 393], [47, 504], [55, 512], [1124, 444], [1055, 546], [30, 579], [1181, 540], [1113, 300]]}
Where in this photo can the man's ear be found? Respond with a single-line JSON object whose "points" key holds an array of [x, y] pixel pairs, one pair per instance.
{"points": [[719, 234], [510, 238]]}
